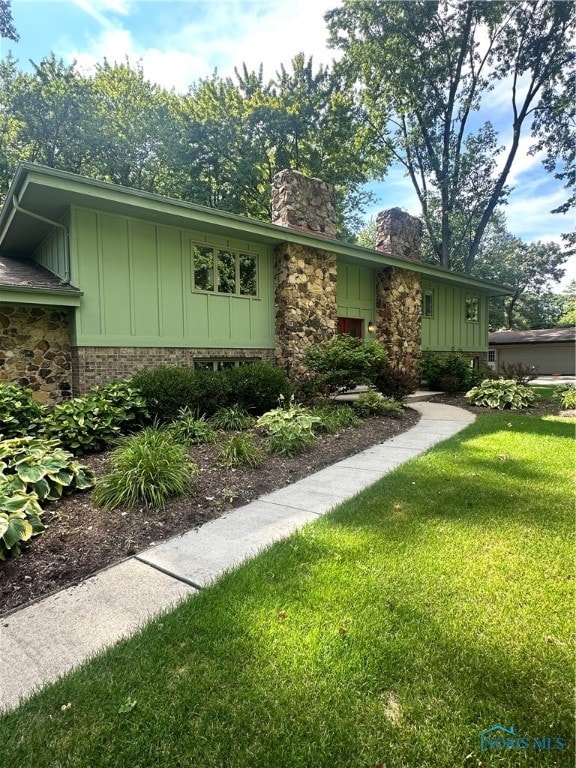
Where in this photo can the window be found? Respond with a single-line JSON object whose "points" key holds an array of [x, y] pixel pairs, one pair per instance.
{"points": [[351, 326], [220, 365], [491, 355], [472, 309], [224, 271], [427, 304]]}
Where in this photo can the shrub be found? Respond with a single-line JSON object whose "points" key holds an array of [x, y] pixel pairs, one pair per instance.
{"points": [[256, 387], [520, 373], [232, 418], [241, 451], [19, 413], [190, 429], [372, 404], [345, 361], [39, 466], [146, 468], [503, 393], [289, 429], [210, 391], [566, 395], [392, 382], [83, 425], [333, 418], [450, 384], [165, 390], [435, 365]]}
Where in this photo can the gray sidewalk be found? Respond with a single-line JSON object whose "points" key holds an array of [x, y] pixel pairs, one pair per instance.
{"points": [[54, 635]]}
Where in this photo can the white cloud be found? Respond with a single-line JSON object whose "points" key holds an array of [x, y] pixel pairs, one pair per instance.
{"points": [[222, 35], [98, 8]]}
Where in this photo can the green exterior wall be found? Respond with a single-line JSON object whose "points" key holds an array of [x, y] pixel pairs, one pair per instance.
{"points": [[53, 253], [448, 328], [137, 282], [356, 293]]}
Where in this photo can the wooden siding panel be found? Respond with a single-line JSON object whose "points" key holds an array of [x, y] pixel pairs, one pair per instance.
{"points": [[448, 328], [115, 276], [89, 321], [144, 297]]}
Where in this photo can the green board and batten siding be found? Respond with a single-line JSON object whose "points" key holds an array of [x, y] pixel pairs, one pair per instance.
{"points": [[137, 283], [448, 328], [356, 293]]}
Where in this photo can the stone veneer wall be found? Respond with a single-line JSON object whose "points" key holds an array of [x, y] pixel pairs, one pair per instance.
{"points": [[97, 365], [306, 309], [399, 233], [35, 350], [399, 291], [301, 202], [398, 316]]}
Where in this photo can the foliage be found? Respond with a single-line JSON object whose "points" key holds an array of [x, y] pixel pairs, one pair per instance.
{"points": [[393, 382], [566, 395], [165, 390], [7, 28], [232, 418], [520, 373], [190, 429], [424, 70], [256, 387], [241, 451], [500, 394], [20, 515], [527, 268], [345, 361], [146, 469], [19, 412], [333, 418], [290, 430], [567, 317], [93, 421], [434, 366], [371, 404], [42, 467]]}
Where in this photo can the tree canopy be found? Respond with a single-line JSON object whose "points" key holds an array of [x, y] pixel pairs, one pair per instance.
{"points": [[424, 70]]}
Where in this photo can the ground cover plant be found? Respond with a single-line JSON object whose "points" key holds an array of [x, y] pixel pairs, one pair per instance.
{"points": [[392, 632], [501, 394]]}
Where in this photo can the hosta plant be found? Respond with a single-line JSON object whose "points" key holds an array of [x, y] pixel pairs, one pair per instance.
{"points": [[372, 404], [19, 413], [566, 395], [290, 430], [20, 515], [41, 466], [501, 394], [146, 469]]}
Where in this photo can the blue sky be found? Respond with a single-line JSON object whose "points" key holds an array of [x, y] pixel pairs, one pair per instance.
{"points": [[179, 42]]}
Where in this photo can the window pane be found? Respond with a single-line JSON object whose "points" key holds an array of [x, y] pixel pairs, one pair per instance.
{"points": [[427, 305], [472, 309], [203, 268], [203, 365], [226, 272], [248, 275]]}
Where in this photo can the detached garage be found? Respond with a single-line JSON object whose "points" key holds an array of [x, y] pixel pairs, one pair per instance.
{"points": [[550, 350]]}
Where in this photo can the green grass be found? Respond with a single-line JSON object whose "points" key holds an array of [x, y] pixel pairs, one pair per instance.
{"points": [[429, 608]]}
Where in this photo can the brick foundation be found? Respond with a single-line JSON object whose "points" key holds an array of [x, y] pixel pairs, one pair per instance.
{"points": [[98, 365]]}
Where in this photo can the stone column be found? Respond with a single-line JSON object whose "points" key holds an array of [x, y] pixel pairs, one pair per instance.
{"points": [[304, 277], [398, 291]]}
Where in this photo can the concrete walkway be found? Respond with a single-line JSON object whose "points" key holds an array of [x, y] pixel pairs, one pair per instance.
{"points": [[48, 638]]}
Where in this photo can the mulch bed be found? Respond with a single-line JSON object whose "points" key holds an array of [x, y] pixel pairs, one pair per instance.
{"points": [[81, 539]]}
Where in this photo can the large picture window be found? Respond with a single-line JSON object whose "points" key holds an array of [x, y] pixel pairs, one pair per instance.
{"points": [[224, 271]]}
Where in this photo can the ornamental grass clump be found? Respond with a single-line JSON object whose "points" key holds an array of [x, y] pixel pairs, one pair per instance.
{"points": [[241, 451], [501, 394], [146, 469], [333, 418], [189, 429], [371, 404], [233, 418]]}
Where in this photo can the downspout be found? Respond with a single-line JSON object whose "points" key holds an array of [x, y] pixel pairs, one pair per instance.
{"points": [[18, 207]]}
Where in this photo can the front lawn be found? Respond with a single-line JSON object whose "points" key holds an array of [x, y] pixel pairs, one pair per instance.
{"points": [[392, 632]]}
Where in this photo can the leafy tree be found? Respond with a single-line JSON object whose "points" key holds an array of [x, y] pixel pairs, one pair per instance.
{"points": [[567, 318], [423, 72], [7, 28], [527, 268]]}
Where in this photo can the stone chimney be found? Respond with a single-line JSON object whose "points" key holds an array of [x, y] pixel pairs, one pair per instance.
{"points": [[399, 234], [303, 203]]}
